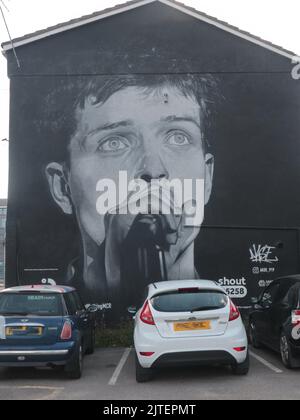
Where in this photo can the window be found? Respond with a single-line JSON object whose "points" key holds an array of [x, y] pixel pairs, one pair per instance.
{"points": [[199, 300], [292, 296], [2, 269], [3, 212], [40, 304], [270, 295], [71, 304], [78, 302], [2, 222]]}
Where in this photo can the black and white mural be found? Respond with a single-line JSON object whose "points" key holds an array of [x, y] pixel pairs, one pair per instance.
{"points": [[170, 152], [136, 174]]}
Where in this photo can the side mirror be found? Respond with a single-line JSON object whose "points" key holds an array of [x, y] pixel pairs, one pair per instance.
{"points": [[132, 310], [92, 308]]}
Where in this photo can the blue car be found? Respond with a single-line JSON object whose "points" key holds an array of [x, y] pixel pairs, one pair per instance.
{"points": [[45, 326]]}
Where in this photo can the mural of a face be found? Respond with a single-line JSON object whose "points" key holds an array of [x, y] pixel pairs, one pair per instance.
{"points": [[150, 135]]}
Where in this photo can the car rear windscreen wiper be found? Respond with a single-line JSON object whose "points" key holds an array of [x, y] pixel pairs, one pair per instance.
{"points": [[205, 308]]}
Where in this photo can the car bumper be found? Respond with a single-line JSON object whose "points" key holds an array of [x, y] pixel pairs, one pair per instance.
{"points": [[58, 354], [295, 349], [193, 351], [194, 358]]}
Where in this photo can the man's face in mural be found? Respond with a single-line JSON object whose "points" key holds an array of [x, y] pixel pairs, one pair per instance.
{"points": [[151, 135]]}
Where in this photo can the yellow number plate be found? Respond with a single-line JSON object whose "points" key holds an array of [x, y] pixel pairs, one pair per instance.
{"points": [[11, 331], [192, 326]]}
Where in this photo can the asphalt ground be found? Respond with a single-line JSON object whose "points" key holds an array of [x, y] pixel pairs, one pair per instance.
{"points": [[109, 375]]}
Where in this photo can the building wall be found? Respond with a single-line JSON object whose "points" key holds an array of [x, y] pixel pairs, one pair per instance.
{"points": [[3, 211], [248, 106]]}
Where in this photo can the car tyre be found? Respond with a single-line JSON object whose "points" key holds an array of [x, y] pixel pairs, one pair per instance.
{"points": [[75, 368], [242, 369], [91, 348], [142, 374], [285, 351], [253, 336]]}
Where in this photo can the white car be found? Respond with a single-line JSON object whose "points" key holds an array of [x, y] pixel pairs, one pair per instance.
{"points": [[188, 322]]}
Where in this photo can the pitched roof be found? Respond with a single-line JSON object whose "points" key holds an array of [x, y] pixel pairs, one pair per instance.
{"points": [[121, 8]]}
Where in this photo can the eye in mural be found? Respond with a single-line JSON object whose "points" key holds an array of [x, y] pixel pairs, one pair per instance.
{"points": [[145, 137]]}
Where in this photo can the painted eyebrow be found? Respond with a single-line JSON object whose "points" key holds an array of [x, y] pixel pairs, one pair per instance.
{"points": [[130, 123], [106, 127], [112, 126], [174, 118]]}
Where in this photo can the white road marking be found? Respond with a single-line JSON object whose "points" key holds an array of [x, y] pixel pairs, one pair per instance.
{"points": [[43, 388], [119, 368], [266, 363], [52, 392]]}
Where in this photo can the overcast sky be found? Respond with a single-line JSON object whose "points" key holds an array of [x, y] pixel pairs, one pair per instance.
{"points": [[274, 20]]}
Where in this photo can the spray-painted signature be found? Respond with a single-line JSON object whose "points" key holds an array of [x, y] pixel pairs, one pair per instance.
{"points": [[262, 254]]}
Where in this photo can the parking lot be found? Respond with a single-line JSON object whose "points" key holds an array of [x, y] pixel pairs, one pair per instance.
{"points": [[109, 375]]}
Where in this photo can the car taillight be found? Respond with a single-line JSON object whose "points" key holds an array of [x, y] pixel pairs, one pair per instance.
{"points": [[66, 333], [296, 317], [146, 315], [239, 349], [147, 353], [234, 312]]}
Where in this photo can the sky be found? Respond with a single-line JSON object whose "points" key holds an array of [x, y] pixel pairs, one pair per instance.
{"points": [[273, 20]]}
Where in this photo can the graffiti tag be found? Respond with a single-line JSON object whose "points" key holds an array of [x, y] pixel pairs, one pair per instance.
{"points": [[262, 254], [296, 68]]}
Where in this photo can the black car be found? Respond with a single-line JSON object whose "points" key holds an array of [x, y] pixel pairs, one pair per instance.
{"points": [[275, 320], [45, 326]]}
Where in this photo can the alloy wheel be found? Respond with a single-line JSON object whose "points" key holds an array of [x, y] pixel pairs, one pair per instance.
{"points": [[284, 350]]}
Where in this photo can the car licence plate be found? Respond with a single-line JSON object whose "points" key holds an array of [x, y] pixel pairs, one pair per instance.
{"points": [[192, 326], [23, 330]]}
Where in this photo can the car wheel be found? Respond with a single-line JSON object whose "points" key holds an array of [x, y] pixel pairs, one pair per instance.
{"points": [[142, 374], [242, 369], [74, 370], [253, 336], [91, 348], [285, 351]]}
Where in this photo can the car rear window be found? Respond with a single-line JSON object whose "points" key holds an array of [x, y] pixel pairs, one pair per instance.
{"points": [[293, 296], [39, 304], [188, 301]]}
